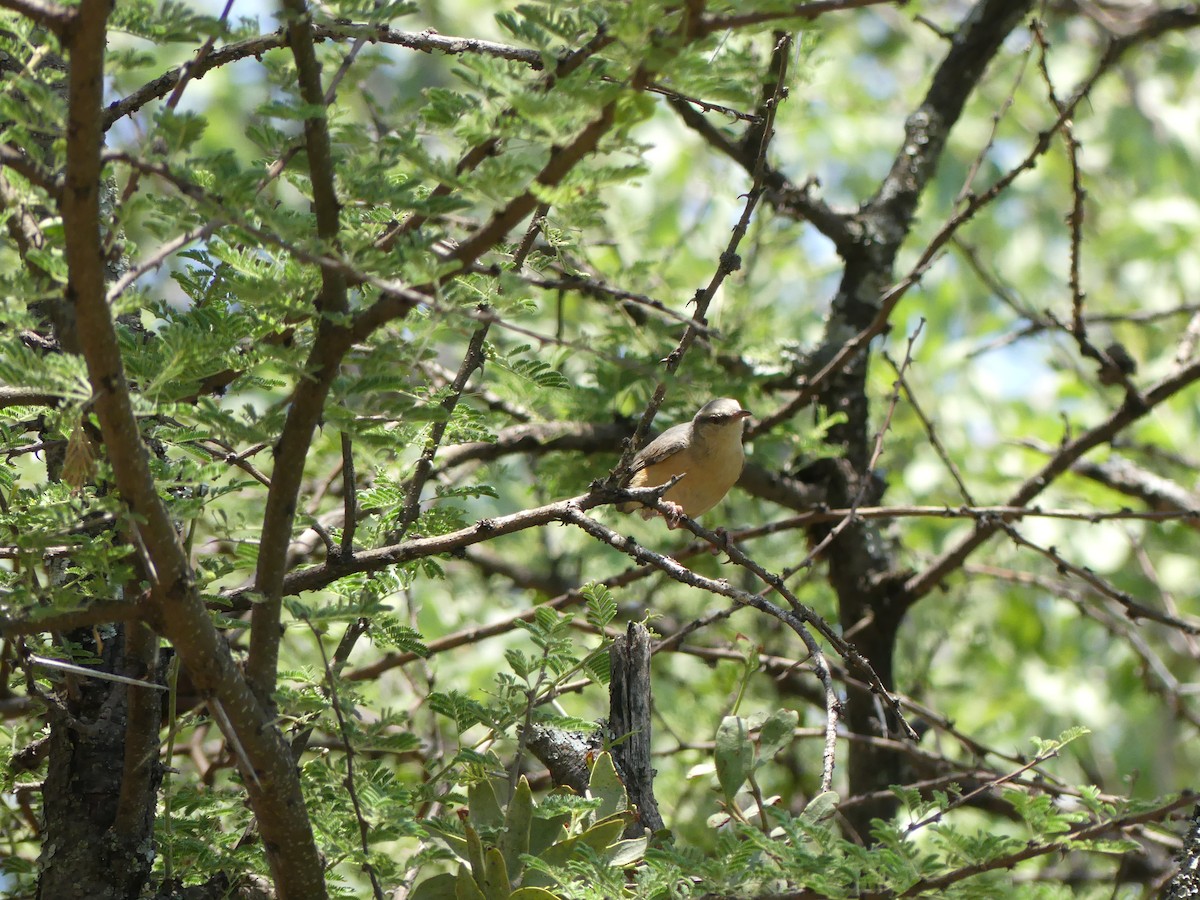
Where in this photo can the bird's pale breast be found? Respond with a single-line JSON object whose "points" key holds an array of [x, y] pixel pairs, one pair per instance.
{"points": [[711, 472]]}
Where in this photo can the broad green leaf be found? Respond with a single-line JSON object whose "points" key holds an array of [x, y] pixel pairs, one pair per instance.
{"points": [[776, 733], [605, 785], [465, 887], [486, 813], [820, 807], [443, 886], [496, 884], [518, 819], [734, 755]]}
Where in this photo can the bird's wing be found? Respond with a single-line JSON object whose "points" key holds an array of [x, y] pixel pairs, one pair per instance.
{"points": [[665, 445]]}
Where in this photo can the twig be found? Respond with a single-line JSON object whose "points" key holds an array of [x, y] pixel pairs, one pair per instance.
{"points": [[728, 262], [808, 11], [1133, 608], [349, 497], [51, 16], [868, 476], [473, 359], [923, 582], [62, 666], [930, 431], [966, 798], [348, 747]]}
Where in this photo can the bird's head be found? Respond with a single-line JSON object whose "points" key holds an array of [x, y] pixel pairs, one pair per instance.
{"points": [[717, 415]]}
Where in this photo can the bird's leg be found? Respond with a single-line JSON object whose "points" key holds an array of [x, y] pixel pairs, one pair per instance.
{"points": [[673, 515]]}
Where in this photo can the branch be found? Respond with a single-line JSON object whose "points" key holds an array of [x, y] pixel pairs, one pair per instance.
{"points": [[308, 402], [1086, 832], [472, 360], [71, 619], [729, 261], [426, 41], [51, 16], [1160, 494], [922, 583], [20, 162], [1133, 609], [349, 498], [974, 45], [17, 396], [801, 11], [592, 286], [271, 779], [349, 781]]}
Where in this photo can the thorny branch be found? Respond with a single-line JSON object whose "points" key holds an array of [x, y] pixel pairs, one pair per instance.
{"points": [[729, 261]]}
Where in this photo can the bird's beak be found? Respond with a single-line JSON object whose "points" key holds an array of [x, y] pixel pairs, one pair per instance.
{"points": [[743, 414]]}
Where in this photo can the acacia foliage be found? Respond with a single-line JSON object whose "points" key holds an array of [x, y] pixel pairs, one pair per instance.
{"points": [[311, 333]]}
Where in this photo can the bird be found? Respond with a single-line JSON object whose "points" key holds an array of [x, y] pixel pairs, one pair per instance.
{"points": [[707, 452]]}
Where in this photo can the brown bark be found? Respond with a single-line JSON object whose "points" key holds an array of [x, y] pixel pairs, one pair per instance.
{"points": [[629, 725], [99, 812]]}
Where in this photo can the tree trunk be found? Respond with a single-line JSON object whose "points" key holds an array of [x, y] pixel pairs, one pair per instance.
{"points": [[101, 785]]}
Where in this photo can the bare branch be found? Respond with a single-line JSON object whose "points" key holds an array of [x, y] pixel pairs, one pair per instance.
{"points": [[272, 780], [729, 261], [425, 41], [922, 583], [308, 402], [803, 11], [49, 15], [472, 360], [70, 619]]}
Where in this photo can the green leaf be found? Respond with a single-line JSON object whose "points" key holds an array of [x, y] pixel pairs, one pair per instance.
{"points": [[518, 819], [442, 886], [496, 885], [734, 755], [465, 887], [545, 832], [484, 805], [1046, 748], [387, 631], [601, 604], [605, 785], [598, 839], [628, 852], [521, 664], [776, 733], [821, 807], [475, 851], [180, 130]]}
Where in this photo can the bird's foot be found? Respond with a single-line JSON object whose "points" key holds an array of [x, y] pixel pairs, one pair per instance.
{"points": [[673, 515]]}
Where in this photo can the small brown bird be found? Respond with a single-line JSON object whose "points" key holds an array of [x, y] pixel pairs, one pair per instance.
{"points": [[707, 451]]}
